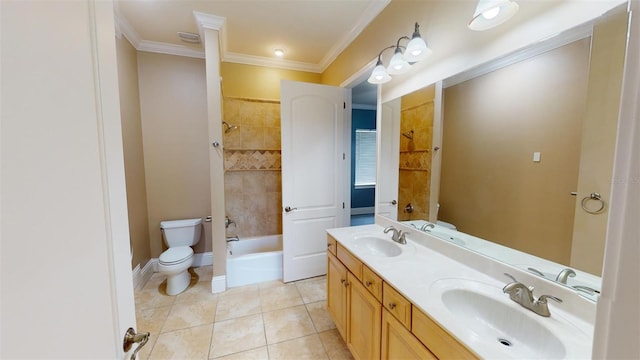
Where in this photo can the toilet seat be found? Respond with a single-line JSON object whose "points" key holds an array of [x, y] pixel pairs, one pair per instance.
{"points": [[175, 255]]}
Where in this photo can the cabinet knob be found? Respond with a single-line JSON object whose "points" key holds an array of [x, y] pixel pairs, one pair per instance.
{"points": [[329, 245], [392, 306], [368, 283]]}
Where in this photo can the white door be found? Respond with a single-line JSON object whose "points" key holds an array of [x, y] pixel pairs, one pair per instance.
{"points": [[67, 290], [312, 118], [389, 159]]}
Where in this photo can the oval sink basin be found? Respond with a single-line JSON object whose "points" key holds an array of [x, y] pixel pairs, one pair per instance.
{"points": [[504, 325], [501, 326], [376, 246]]}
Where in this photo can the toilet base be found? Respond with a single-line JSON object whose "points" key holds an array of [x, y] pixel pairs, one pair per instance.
{"points": [[178, 283]]}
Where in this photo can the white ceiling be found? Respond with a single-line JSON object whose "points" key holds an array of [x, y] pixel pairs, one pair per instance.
{"points": [[311, 32]]}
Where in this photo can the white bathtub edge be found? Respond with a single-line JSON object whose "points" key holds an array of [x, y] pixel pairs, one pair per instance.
{"points": [[219, 284]]}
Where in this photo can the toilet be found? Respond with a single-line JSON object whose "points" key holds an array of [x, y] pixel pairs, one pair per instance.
{"points": [[174, 263]]}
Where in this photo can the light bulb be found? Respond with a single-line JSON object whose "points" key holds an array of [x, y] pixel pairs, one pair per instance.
{"points": [[491, 13]]}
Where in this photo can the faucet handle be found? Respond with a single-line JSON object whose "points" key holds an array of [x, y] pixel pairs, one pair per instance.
{"points": [[543, 298], [511, 277]]}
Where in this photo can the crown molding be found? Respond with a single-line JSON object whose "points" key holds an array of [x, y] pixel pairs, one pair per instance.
{"points": [[213, 22], [169, 49], [124, 27], [370, 13], [542, 46], [269, 62], [218, 23]]}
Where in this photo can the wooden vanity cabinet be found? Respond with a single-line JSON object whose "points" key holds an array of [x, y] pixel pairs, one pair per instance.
{"points": [[331, 245], [375, 320], [363, 321], [437, 339], [337, 294], [399, 343]]}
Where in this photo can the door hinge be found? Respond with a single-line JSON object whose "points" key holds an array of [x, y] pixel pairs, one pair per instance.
{"points": [[344, 105], [344, 156], [343, 205]]}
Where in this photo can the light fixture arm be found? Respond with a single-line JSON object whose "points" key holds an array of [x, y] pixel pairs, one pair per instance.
{"points": [[383, 50], [402, 59]]}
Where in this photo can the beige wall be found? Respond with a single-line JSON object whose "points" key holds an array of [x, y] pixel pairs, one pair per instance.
{"points": [[133, 152], [175, 136], [598, 141], [258, 82], [414, 181], [490, 187]]}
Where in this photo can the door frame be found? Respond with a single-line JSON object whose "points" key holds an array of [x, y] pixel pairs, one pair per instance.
{"points": [[351, 82]]}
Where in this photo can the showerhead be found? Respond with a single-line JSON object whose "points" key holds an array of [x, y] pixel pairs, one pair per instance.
{"points": [[408, 135], [229, 127]]}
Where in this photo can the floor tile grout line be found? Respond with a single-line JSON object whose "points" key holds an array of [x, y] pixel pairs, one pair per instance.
{"points": [[309, 301]]}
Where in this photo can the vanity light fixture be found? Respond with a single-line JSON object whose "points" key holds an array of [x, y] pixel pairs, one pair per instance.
{"points": [[491, 13], [401, 61]]}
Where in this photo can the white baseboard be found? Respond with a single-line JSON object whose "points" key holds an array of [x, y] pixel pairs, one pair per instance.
{"points": [[141, 276], [363, 210], [203, 259], [219, 284]]}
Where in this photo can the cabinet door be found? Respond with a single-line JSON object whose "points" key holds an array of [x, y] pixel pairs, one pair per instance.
{"points": [[399, 343], [337, 294], [363, 321]]}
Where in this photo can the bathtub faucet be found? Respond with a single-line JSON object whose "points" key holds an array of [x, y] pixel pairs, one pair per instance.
{"points": [[233, 238], [228, 222]]}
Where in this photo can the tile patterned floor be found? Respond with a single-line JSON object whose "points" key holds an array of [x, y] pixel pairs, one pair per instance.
{"points": [[270, 321]]}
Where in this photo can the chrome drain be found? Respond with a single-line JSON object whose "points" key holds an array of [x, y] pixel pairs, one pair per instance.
{"points": [[504, 342]]}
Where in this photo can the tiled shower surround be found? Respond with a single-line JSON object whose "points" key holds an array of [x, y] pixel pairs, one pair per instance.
{"points": [[414, 181], [252, 160]]}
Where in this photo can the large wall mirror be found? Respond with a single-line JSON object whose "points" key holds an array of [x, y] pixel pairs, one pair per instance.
{"points": [[514, 158]]}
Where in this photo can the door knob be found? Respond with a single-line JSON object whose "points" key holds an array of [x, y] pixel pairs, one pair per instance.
{"points": [[131, 337], [289, 209], [215, 144]]}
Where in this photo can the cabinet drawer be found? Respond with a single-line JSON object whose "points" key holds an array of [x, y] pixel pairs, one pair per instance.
{"points": [[396, 304], [331, 244], [372, 282], [351, 262], [443, 345]]}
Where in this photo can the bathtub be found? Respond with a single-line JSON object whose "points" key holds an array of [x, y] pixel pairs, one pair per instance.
{"points": [[254, 260]]}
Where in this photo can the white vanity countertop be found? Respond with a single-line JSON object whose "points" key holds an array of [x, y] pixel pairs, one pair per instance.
{"points": [[418, 273]]}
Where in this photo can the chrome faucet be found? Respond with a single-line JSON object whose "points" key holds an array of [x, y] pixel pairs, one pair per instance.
{"points": [[426, 227], [523, 295], [564, 275], [233, 238], [397, 236]]}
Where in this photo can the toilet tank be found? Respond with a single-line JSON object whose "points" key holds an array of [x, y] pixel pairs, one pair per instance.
{"points": [[181, 232]]}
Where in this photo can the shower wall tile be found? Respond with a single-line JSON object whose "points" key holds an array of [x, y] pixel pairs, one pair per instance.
{"points": [[252, 160], [415, 161]]}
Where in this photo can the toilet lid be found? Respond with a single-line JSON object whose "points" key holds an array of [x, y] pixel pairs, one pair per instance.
{"points": [[176, 254]]}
